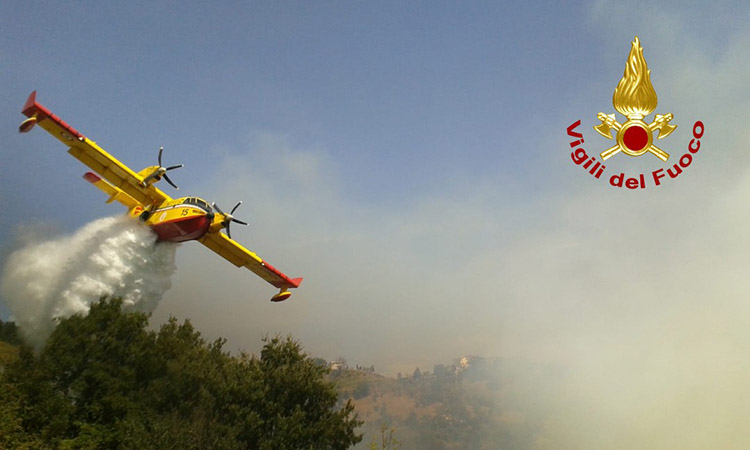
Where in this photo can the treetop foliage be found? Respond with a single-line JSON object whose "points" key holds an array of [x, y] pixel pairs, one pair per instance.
{"points": [[104, 381], [9, 333]]}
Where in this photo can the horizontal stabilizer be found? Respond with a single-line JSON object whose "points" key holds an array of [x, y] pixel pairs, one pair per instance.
{"points": [[114, 192]]}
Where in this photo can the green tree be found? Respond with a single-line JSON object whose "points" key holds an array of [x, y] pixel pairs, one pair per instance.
{"points": [[9, 333], [103, 381], [306, 417]]}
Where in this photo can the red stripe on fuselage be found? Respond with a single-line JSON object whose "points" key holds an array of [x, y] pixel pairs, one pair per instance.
{"points": [[182, 229]]}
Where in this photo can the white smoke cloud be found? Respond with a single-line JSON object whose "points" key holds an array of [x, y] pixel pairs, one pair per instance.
{"points": [[110, 257]]}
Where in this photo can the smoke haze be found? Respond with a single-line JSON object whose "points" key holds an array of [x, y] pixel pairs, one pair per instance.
{"points": [[640, 296], [110, 257]]}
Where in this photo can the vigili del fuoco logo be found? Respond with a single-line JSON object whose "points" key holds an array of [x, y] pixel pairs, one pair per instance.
{"points": [[634, 98]]}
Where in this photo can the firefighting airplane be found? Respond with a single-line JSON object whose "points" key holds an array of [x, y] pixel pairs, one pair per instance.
{"points": [[173, 220]]}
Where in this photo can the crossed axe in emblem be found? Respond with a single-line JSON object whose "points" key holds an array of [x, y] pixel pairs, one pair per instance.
{"points": [[660, 123]]}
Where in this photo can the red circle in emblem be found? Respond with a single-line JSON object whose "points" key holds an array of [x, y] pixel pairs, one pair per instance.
{"points": [[635, 138]]}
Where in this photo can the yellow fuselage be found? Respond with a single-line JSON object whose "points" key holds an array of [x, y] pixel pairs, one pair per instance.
{"points": [[178, 220]]}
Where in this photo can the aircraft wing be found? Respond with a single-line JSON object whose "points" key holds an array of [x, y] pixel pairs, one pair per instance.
{"points": [[238, 255], [90, 154]]}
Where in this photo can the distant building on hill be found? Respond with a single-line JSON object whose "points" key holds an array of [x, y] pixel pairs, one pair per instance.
{"points": [[338, 365]]}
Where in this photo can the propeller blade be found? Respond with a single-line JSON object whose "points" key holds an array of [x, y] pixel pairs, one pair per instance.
{"points": [[228, 218], [166, 178], [161, 171]]}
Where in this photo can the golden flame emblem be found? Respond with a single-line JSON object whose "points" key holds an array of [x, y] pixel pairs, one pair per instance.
{"points": [[635, 98]]}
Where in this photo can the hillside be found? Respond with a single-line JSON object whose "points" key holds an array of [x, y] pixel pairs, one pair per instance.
{"points": [[473, 403], [8, 353], [9, 341]]}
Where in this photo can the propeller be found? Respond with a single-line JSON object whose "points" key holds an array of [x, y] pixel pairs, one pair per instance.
{"points": [[229, 218], [161, 172]]}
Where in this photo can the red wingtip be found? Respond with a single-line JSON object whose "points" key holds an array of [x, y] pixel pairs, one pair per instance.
{"points": [[34, 110], [296, 281], [30, 106]]}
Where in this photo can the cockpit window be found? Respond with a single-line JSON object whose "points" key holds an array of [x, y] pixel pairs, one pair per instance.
{"points": [[199, 203]]}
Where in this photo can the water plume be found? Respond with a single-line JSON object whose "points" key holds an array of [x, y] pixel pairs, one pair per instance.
{"points": [[110, 257]]}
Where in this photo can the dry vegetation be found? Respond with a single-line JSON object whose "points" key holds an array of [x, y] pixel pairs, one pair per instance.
{"points": [[451, 408]]}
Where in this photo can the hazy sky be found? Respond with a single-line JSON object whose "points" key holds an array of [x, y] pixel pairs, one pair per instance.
{"points": [[411, 161]]}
